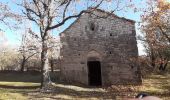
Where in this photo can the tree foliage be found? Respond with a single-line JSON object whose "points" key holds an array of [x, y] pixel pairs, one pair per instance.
{"points": [[156, 27]]}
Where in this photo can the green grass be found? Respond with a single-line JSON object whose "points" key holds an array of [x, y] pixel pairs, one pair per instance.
{"points": [[15, 85], [12, 94], [24, 86]]}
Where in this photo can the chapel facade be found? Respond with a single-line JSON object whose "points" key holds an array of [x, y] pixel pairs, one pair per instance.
{"points": [[99, 51]]}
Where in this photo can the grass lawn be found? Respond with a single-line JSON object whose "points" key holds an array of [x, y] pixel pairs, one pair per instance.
{"points": [[25, 86], [158, 85], [155, 85]]}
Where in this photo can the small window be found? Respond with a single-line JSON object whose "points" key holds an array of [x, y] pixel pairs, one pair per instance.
{"points": [[92, 26], [111, 34], [74, 39], [110, 52]]}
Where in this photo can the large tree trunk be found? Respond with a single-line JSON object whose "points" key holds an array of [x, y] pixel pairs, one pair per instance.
{"points": [[23, 64], [45, 81]]}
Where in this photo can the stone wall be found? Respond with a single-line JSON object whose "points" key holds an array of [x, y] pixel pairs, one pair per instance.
{"points": [[109, 40]]}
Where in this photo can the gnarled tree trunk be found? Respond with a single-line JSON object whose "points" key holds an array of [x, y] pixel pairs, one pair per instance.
{"points": [[45, 81]]}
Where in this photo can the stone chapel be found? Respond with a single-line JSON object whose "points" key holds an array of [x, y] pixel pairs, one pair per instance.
{"points": [[99, 49]]}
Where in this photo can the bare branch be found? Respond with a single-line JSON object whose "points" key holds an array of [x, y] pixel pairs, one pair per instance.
{"points": [[30, 17], [37, 7], [75, 16], [69, 17], [65, 9], [31, 55]]}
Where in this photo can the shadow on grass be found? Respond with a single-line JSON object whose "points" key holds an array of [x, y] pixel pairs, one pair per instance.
{"points": [[65, 92], [19, 87], [62, 92]]}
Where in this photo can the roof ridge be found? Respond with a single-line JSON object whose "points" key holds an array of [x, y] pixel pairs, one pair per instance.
{"points": [[100, 11], [104, 11]]}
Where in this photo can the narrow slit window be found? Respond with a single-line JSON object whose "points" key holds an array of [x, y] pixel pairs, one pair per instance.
{"points": [[92, 26]]}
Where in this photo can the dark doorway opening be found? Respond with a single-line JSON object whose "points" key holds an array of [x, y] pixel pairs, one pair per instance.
{"points": [[94, 73]]}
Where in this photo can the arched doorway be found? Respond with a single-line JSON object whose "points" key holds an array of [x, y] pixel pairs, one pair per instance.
{"points": [[94, 68], [94, 73]]}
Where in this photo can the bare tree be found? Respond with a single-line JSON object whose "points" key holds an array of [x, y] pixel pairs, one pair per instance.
{"points": [[28, 48]]}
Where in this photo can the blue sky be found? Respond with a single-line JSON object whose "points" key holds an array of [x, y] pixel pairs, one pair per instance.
{"points": [[14, 36]]}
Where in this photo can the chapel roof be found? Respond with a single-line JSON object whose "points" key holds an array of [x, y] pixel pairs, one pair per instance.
{"points": [[103, 11]]}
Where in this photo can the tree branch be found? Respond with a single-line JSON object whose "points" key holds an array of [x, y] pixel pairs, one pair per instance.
{"points": [[36, 5], [64, 13], [74, 16], [64, 20], [30, 17], [164, 33], [31, 55]]}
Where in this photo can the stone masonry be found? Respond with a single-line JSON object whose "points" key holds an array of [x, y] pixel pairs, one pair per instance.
{"points": [[111, 42]]}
